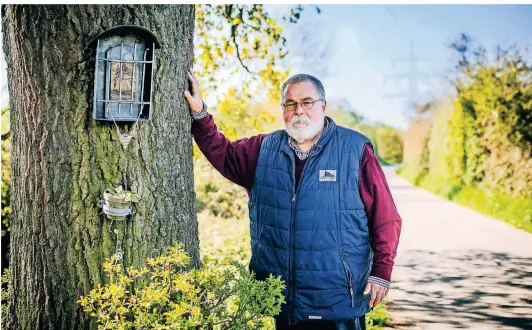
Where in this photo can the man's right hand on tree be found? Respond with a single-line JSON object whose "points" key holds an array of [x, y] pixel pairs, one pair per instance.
{"points": [[194, 100]]}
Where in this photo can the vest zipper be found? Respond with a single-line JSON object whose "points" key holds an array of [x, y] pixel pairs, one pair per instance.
{"points": [[291, 276], [349, 276], [291, 290]]}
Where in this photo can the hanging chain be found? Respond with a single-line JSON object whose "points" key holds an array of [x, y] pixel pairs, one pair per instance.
{"points": [[126, 138], [119, 253]]}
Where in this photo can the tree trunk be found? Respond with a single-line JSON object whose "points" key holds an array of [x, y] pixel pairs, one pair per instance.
{"points": [[62, 159]]}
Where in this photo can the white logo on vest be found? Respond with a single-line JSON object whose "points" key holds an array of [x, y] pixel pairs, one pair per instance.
{"points": [[327, 175]]}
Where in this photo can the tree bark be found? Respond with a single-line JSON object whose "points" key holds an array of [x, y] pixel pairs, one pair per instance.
{"points": [[62, 159]]}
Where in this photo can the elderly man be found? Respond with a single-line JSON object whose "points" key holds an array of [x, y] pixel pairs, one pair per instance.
{"points": [[321, 214]]}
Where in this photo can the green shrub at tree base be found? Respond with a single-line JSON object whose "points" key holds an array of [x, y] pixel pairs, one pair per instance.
{"points": [[163, 295]]}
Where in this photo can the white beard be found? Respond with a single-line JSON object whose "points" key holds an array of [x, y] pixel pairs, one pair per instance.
{"points": [[304, 133]]}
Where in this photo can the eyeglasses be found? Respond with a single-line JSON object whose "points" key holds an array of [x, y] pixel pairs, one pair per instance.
{"points": [[292, 106]]}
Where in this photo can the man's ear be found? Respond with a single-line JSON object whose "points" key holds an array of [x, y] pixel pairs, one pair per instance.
{"points": [[324, 105]]}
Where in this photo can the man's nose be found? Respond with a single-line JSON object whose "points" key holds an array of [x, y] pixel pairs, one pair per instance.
{"points": [[299, 109]]}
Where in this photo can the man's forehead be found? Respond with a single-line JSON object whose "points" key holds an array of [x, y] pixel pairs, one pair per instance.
{"points": [[300, 91]]}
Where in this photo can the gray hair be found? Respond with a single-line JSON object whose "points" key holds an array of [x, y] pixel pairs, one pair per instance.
{"points": [[302, 77]]}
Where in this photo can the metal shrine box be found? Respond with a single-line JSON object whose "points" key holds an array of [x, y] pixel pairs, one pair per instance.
{"points": [[123, 77]]}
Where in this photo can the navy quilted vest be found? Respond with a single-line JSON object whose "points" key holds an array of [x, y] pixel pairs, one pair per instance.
{"points": [[315, 238]]}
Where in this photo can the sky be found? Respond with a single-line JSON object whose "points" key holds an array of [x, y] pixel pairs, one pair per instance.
{"points": [[366, 40], [363, 42]]}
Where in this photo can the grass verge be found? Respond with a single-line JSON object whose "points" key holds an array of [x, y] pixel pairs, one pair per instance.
{"points": [[515, 211]]}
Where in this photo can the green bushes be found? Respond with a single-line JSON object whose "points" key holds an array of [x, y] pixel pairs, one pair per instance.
{"points": [[387, 141], [390, 144], [476, 148], [416, 155], [496, 105], [163, 295]]}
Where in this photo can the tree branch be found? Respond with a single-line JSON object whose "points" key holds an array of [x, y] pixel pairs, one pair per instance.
{"points": [[6, 136], [252, 26], [233, 37], [239, 58]]}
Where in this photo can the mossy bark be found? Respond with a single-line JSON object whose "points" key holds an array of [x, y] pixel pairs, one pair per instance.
{"points": [[62, 159]]}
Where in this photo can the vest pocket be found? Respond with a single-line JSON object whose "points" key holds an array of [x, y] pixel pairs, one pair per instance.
{"points": [[254, 220], [367, 270], [349, 277]]}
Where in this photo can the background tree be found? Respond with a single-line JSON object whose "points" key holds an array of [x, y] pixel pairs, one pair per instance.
{"points": [[62, 159], [242, 43], [390, 144]]}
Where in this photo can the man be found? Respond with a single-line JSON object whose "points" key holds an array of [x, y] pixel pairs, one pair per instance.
{"points": [[321, 214]]}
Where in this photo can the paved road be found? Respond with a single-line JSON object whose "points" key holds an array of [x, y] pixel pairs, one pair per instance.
{"points": [[457, 268]]}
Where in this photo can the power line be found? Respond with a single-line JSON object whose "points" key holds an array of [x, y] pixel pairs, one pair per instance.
{"points": [[413, 75]]}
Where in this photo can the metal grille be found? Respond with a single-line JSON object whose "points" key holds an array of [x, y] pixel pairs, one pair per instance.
{"points": [[123, 79]]}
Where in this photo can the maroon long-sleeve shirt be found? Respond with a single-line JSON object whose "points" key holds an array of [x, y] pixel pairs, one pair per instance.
{"points": [[237, 162]]}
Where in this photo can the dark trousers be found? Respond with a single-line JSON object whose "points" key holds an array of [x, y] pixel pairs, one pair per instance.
{"points": [[354, 324]]}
